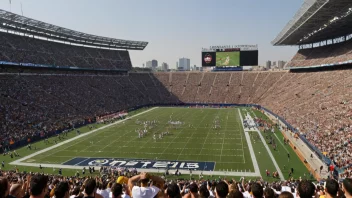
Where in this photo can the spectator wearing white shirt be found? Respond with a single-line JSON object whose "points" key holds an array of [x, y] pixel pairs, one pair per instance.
{"points": [[145, 191], [103, 191]]}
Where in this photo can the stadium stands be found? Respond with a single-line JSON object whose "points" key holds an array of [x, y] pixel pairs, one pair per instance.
{"points": [[326, 55], [318, 104], [27, 50], [31, 103]]}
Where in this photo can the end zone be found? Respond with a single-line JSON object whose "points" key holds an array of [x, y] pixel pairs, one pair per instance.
{"points": [[138, 163]]}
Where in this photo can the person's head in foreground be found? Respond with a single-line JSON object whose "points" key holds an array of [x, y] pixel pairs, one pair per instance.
{"points": [[62, 190], [257, 190], [347, 187], [116, 190], [4, 187], [173, 191], [90, 187], [235, 194], [269, 193], [222, 189], [331, 188], [38, 186], [305, 189]]}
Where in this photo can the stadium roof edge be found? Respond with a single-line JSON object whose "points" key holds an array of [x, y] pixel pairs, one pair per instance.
{"points": [[295, 21], [317, 20], [13, 22]]}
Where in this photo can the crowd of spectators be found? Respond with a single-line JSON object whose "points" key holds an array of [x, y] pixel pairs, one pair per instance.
{"points": [[328, 54], [144, 185], [22, 49], [32, 104]]}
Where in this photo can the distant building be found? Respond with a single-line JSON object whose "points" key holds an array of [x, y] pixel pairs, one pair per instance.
{"points": [[154, 63], [164, 66], [274, 64], [185, 63], [281, 64], [149, 64], [176, 64], [268, 64]]}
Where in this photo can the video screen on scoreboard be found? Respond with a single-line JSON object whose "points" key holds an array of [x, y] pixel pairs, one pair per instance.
{"points": [[227, 59], [230, 58]]}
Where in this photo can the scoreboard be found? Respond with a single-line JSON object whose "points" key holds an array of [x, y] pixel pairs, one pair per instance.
{"points": [[230, 56]]}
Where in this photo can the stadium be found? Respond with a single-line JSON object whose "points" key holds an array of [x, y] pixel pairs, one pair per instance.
{"points": [[72, 101]]}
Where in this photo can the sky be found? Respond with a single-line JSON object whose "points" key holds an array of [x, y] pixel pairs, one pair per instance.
{"points": [[173, 28]]}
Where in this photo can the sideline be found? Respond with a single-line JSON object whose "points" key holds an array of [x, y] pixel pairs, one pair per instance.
{"points": [[267, 149]]}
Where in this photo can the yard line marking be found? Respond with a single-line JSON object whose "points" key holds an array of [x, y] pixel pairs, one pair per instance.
{"points": [[244, 159], [191, 136], [18, 161], [205, 139], [250, 146], [281, 143], [131, 139], [84, 150], [223, 137], [163, 148], [173, 138]]}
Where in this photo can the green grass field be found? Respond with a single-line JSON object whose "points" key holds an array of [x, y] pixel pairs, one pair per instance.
{"points": [[227, 58], [195, 140], [280, 154]]}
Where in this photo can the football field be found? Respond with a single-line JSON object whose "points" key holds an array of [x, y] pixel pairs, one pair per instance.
{"points": [[227, 58], [192, 143], [195, 141]]}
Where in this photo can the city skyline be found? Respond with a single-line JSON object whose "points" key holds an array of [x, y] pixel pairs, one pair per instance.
{"points": [[203, 24]]}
